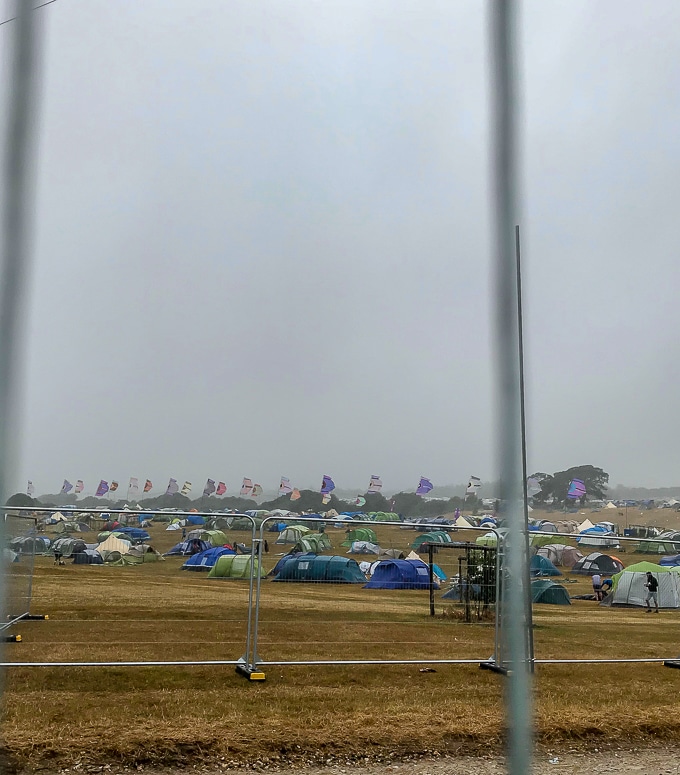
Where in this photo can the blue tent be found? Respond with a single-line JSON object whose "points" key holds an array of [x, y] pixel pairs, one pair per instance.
{"points": [[205, 560], [401, 574], [277, 527], [321, 568], [88, 557], [135, 533], [670, 562], [542, 566], [194, 519], [193, 546]]}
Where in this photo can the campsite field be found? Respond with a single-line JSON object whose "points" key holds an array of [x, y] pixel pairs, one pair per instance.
{"points": [[169, 716]]}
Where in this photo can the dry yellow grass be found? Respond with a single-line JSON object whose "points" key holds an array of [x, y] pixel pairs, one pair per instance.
{"points": [[168, 715]]}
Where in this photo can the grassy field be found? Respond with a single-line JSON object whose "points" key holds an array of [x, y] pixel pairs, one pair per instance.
{"points": [[173, 715]]}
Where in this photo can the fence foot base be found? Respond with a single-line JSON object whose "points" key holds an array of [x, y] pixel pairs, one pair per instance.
{"points": [[672, 663], [251, 673], [493, 667], [29, 617], [11, 639]]}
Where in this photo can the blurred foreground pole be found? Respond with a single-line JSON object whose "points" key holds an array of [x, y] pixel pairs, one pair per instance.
{"points": [[18, 155], [515, 624]]}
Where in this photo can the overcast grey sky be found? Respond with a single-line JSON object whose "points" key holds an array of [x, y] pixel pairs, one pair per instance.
{"points": [[262, 242]]}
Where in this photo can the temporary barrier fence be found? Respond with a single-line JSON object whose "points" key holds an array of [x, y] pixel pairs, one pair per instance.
{"points": [[22, 543]]}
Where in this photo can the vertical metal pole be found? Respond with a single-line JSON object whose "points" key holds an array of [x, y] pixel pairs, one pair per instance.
{"points": [[525, 495], [15, 228], [518, 706], [258, 589], [430, 551]]}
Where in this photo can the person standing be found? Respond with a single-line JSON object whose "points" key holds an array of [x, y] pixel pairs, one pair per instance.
{"points": [[597, 586], [652, 585]]}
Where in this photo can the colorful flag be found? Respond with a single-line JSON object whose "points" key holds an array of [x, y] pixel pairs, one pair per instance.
{"points": [[80, 486], [30, 489], [66, 487], [133, 487], [473, 485], [326, 498], [246, 487], [209, 488], [114, 486], [375, 485], [577, 489], [221, 488], [172, 487], [102, 489], [295, 495], [186, 488], [257, 491], [424, 486], [148, 486], [360, 501], [327, 485], [284, 487], [533, 486]]}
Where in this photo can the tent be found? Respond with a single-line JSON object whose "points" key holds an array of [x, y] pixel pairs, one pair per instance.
{"points": [[546, 591], [585, 525], [292, 534], [386, 516], [212, 537], [629, 586], [541, 566], [401, 574], [314, 542], [360, 534], [596, 562], [329, 569], [462, 522], [363, 547], [286, 558], [488, 539], [610, 505], [68, 546], [88, 557], [30, 544], [536, 539], [206, 559], [135, 533], [234, 566], [657, 547], [560, 554], [435, 537], [670, 562], [598, 535], [184, 548], [396, 554]]}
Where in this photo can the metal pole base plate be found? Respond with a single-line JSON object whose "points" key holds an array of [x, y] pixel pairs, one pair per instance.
{"points": [[251, 673]]}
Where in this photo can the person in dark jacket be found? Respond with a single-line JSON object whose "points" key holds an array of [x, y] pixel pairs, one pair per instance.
{"points": [[652, 585]]}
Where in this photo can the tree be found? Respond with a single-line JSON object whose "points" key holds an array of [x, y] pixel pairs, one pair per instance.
{"points": [[20, 499], [555, 486]]}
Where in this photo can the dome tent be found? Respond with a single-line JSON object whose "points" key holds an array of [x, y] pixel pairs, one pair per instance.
{"points": [[360, 534], [546, 591], [629, 586], [206, 559], [435, 537], [596, 562], [542, 566]]}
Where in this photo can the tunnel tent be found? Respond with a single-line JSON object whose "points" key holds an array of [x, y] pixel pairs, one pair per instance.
{"points": [[187, 547], [400, 574], [435, 537], [67, 546], [314, 542], [206, 559], [234, 566], [360, 534], [326, 568]]}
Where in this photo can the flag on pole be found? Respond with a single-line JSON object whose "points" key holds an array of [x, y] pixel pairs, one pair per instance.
{"points": [[246, 487], [172, 487], [473, 485], [221, 488], [30, 489], [257, 491], [326, 498], [577, 489], [375, 485], [148, 486], [295, 495], [360, 501], [424, 486], [133, 487], [284, 487], [80, 486], [533, 486], [186, 488], [327, 485], [102, 489], [113, 487], [66, 487], [209, 488]]}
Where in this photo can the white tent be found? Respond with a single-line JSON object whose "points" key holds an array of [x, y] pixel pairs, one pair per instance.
{"points": [[630, 588], [610, 505], [113, 544], [585, 525], [462, 522]]}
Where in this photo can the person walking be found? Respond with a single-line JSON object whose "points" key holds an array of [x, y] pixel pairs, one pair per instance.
{"points": [[652, 585]]}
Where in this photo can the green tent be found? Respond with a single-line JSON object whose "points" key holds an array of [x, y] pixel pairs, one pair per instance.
{"points": [[435, 537], [233, 566], [546, 591], [360, 534], [213, 537], [333, 570], [244, 523], [385, 516], [657, 547], [488, 539], [314, 542], [539, 540]]}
